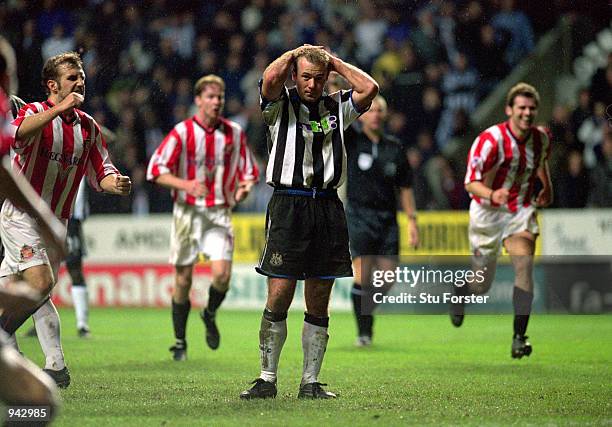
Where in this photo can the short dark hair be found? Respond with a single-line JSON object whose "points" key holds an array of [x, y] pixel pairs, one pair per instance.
{"points": [[522, 89], [50, 70]]}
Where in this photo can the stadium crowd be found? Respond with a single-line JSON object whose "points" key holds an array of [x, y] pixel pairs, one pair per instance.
{"points": [[434, 61]]}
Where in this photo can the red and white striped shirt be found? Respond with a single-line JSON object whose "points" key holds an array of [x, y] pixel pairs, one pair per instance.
{"points": [[218, 157], [55, 159], [500, 160]]}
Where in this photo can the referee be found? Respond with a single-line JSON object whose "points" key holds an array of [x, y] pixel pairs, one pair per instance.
{"points": [[306, 232], [377, 173]]}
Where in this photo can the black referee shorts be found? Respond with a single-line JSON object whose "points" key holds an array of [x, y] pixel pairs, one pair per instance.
{"points": [[306, 236], [372, 231]]}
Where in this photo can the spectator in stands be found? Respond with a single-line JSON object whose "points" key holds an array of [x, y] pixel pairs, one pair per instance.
{"points": [[601, 176], [521, 33], [572, 186]]}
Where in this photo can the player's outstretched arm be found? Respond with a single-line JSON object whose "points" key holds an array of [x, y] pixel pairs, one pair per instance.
{"points": [[116, 184], [34, 123], [364, 86]]}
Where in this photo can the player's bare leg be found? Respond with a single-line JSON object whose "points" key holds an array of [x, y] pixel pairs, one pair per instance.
{"points": [[180, 309], [315, 337], [221, 274], [521, 247], [22, 382], [272, 336], [486, 265], [40, 279]]}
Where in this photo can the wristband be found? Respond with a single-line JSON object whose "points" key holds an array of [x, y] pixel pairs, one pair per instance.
{"points": [[491, 195]]}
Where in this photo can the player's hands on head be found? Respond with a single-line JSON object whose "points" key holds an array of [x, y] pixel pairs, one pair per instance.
{"points": [[195, 188], [500, 196], [122, 185]]}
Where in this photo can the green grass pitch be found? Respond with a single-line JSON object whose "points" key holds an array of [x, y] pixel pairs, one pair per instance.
{"points": [[420, 371]]}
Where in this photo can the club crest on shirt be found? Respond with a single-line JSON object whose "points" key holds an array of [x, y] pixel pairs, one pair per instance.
{"points": [[364, 161], [27, 252], [475, 162], [276, 259]]}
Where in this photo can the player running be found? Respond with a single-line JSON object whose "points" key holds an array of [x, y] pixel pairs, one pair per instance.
{"points": [[504, 164]]}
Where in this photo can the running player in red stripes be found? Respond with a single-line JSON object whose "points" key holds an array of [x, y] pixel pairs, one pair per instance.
{"points": [[55, 144], [206, 163], [504, 163]]}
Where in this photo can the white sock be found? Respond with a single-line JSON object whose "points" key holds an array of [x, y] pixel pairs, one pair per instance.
{"points": [[47, 324], [272, 336], [314, 343], [81, 306]]}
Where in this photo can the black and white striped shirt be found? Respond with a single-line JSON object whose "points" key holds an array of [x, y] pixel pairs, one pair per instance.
{"points": [[306, 142]]}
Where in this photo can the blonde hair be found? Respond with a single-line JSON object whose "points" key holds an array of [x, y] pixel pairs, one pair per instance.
{"points": [[382, 101], [210, 79], [313, 55], [522, 89]]}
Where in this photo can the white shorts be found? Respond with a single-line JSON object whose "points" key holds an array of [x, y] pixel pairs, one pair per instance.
{"points": [[23, 245], [196, 230], [489, 227]]}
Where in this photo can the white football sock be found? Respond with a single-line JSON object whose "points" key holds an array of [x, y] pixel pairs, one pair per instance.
{"points": [[47, 324], [272, 336], [81, 306], [314, 343]]}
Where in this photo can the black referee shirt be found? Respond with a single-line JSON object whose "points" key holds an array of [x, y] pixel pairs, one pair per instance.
{"points": [[375, 171]]}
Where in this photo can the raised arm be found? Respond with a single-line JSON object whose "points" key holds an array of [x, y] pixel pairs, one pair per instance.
{"points": [[30, 125], [275, 75], [364, 86]]}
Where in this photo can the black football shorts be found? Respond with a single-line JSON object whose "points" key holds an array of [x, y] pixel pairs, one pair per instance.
{"points": [[372, 231], [306, 236]]}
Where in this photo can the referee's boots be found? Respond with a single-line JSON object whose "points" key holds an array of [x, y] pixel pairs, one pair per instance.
{"points": [[179, 351], [520, 346], [261, 389]]}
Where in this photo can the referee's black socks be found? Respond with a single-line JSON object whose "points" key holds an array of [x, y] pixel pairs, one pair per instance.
{"points": [[522, 309], [365, 322]]}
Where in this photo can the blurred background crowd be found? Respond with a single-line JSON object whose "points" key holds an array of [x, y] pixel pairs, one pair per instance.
{"points": [[434, 60]]}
